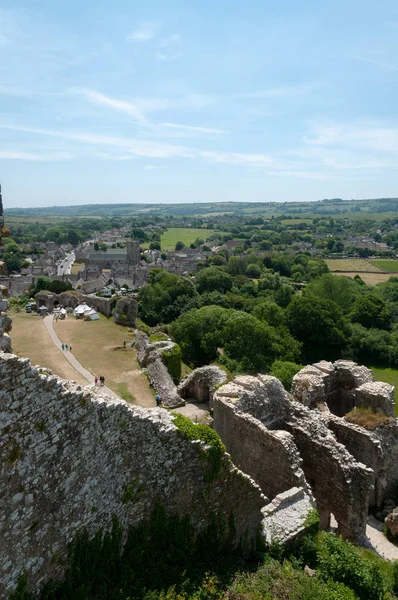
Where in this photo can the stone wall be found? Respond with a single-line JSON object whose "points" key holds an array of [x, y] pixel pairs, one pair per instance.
{"points": [[341, 486], [71, 459], [269, 457], [282, 444], [340, 387], [102, 305]]}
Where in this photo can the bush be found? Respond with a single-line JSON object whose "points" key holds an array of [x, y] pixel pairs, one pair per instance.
{"points": [[285, 371], [340, 561]]}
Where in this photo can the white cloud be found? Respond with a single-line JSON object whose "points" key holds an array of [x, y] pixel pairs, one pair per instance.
{"points": [[167, 57], [8, 155], [377, 63], [120, 105], [239, 158], [145, 32], [193, 128]]}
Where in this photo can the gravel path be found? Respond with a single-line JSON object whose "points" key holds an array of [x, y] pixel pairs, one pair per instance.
{"points": [[48, 323], [374, 532]]}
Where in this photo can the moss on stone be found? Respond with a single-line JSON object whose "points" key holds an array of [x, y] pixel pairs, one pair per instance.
{"points": [[215, 450]]}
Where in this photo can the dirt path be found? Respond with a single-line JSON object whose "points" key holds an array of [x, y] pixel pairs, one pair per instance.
{"points": [[374, 532]]}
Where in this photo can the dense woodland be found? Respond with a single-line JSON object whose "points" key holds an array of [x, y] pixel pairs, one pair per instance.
{"points": [[268, 324]]}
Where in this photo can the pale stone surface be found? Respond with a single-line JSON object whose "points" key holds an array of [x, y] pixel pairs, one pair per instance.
{"points": [[68, 456], [202, 383], [392, 521], [150, 356], [377, 395], [284, 518], [125, 312]]}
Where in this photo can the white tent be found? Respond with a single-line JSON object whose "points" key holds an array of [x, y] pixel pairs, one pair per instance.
{"points": [[80, 310], [91, 315]]}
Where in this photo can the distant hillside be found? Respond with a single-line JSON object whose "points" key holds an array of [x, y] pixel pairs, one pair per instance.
{"points": [[334, 206]]}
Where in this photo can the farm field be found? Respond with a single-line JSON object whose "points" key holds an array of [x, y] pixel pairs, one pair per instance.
{"points": [[369, 278], [389, 376], [389, 266], [351, 265], [296, 221], [187, 235]]}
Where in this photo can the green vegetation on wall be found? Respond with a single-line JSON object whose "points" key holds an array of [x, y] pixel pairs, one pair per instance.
{"points": [[172, 360]]}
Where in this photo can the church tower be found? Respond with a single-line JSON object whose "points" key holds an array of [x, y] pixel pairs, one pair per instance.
{"points": [[133, 252]]}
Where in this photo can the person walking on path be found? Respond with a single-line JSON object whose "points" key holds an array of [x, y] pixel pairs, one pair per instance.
{"points": [[96, 381], [102, 380], [70, 348], [158, 400], [66, 346], [124, 344], [63, 347]]}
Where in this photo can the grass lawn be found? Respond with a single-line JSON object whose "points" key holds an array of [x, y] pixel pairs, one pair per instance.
{"points": [[98, 346], [390, 266], [30, 340], [389, 376], [352, 264], [187, 235]]}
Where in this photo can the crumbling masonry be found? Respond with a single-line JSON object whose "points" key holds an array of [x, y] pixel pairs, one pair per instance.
{"points": [[71, 459]]}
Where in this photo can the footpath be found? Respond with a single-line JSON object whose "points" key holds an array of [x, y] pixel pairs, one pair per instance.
{"points": [[48, 323]]}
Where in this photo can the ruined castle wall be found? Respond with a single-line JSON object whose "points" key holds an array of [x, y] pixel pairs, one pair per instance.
{"points": [[340, 484], [365, 448], [269, 457], [102, 305], [70, 459], [388, 437]]}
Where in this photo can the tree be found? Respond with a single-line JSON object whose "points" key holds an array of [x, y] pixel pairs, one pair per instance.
{"points": [[319, 325], [213, 279], [96, 246], [179, 246], [269, 312], [371, 311], [253, 271], [341, 290], [198, 333], [154, 246], [165, 297], [285, 371]]}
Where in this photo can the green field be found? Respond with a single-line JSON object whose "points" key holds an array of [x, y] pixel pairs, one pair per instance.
{"points": [[389, 376], [389, 266], [296, 221], [187, 235], [351, 265]]}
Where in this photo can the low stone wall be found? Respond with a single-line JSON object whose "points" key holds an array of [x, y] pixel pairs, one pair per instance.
{"points": [[102, 305], [72, 460], [150, 356]]}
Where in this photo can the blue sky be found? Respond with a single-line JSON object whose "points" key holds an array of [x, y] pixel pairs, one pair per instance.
{"points": [[205, 100]]}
